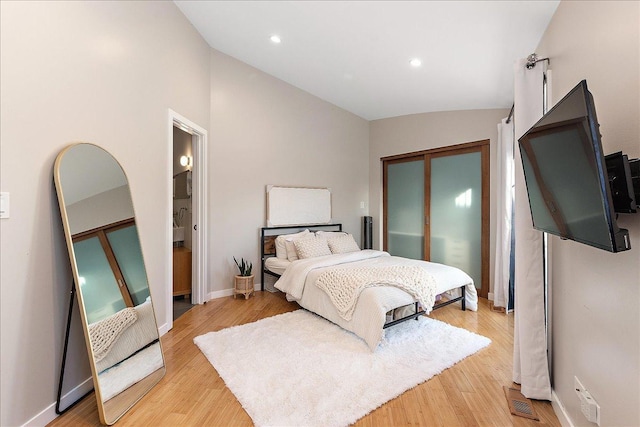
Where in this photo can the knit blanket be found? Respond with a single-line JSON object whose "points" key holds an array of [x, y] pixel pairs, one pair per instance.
{"points": [[344, 285], [104, 333]]}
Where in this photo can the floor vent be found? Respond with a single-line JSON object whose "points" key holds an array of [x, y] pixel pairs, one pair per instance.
{"points": [[520, 405]]}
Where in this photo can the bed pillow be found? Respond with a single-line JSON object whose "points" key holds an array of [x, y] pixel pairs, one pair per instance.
{"points": [[289, 240], [281, 243], [342, 244], [329, 234], [311, 247]]}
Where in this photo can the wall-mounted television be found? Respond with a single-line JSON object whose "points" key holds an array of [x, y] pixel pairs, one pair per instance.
{"points": [[566, 175]]}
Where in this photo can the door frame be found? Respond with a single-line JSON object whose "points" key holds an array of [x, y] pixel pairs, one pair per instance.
{"points": [[199, 209], [482, 146]]}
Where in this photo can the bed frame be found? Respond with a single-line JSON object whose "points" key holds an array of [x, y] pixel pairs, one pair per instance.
{"points": [[268, 249]]}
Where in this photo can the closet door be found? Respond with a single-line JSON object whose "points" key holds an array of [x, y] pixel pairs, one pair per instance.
{"points": [[404, 207], [128, 253], [455, 205], [436, 208], [101, 293]]}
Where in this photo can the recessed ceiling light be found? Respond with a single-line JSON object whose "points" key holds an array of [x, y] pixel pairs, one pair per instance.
{"points": [[415, 62], [275, 39]]}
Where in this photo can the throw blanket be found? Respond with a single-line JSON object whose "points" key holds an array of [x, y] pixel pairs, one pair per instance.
{"points": [[343, 286], [104, 333], [292, 280]]}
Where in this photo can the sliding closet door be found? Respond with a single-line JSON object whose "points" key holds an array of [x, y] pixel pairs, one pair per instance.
{"points": [[436, 208], [100, 291], [456, 212], [127, 250], [405, 204]]}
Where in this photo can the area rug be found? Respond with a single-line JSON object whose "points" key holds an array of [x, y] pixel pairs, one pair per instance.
{"points": [[299, 369]]}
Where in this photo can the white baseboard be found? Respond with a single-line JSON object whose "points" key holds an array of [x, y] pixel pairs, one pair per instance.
{"points": [[490, 296], [228, 292], [49, 413], [163, 329], [561, 413]]}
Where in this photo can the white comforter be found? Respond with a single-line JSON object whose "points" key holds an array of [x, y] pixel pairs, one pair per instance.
{"points": [[369, 315]]}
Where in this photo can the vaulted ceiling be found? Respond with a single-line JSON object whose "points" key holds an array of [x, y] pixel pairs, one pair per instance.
{"points": [[356, 54]]}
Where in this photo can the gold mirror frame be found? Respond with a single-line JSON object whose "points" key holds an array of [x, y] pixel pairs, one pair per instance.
{"points": [[118, 319]]}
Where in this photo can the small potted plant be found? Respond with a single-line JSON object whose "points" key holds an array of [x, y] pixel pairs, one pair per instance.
{"points": [[244, 280]]}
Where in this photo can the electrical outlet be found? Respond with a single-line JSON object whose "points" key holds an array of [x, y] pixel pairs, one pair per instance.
{"points": [[588, 405], [590, 408]]}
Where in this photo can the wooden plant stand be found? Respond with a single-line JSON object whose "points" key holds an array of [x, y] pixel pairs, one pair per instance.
{"points": [[244, 286]]}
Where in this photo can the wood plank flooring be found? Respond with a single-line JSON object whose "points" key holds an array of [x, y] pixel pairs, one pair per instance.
{"points": [[192, 394]]}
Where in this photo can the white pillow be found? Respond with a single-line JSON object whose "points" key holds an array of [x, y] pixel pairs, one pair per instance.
{"points": [[329, 234], [282, 251], [290, 249], [342, 244], [311, 247]]}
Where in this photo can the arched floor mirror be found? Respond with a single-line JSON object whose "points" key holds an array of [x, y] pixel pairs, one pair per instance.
{"points": [[110, 278]]}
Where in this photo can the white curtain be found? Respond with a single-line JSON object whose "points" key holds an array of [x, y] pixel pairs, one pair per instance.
{"points": [[530, 363], [504, 202]]}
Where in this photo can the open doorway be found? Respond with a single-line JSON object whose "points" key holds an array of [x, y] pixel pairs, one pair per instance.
{"points": [[182, 222], [186, 206]]}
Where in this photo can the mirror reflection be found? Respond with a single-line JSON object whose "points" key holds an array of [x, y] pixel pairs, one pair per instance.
{"points": [[110, 276]]}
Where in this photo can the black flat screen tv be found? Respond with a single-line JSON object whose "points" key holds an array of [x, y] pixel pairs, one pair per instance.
{"points": [[566, 175]]}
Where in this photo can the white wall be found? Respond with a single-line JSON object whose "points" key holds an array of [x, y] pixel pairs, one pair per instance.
{"points": [[265, 131], [417, 132], [101, 72], [102, 209], [596, 294]]}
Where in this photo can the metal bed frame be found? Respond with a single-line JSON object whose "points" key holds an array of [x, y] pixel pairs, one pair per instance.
{"points": [[267, 249]]}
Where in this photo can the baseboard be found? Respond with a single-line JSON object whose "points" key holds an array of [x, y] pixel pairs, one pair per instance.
{"points": [[228, 292], [561, 413], [220, 294], [49, 413], [163, 329], [490, 296]]}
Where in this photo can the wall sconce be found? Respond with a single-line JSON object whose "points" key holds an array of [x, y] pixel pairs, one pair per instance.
{"points": [[186, 161]]}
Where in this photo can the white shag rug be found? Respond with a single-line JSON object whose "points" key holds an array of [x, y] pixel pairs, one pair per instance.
{"points": [[299, 369]]}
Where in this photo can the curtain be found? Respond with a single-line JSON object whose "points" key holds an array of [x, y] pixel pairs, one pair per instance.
{"points": [[530, 361], [504, 210]]}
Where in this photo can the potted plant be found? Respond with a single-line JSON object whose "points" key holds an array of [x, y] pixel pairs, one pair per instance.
{"points": [[244, 280]]}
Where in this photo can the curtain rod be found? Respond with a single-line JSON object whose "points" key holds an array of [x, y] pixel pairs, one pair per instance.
{"points": [[533, 59], [510, 113]]}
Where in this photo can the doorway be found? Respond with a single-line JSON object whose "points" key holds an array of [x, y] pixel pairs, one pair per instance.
{"points": [[182, 221], [436, 208], [187, 191]]}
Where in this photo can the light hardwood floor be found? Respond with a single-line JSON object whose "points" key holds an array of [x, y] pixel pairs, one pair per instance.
{"points": [[192, 394]]}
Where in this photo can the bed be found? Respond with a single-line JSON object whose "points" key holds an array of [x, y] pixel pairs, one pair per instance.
{"points": [[376, 307]]}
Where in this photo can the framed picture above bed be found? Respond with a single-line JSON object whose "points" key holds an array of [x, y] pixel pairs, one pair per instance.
{"points": [[297, 205]]}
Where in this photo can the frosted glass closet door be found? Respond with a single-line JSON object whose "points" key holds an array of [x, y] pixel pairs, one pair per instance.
{"points": [[127, 250], [456, 213], [405, 209], [100, 291]]}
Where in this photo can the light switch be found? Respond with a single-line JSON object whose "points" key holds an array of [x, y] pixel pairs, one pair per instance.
{"points": [[4, 205]]}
